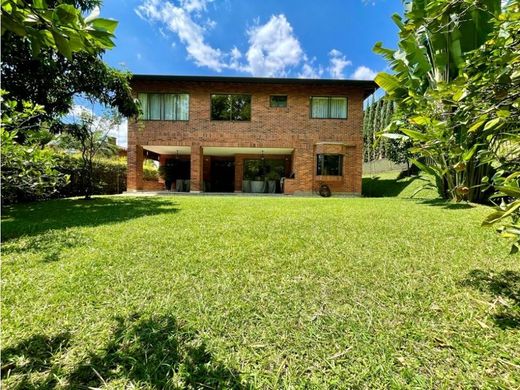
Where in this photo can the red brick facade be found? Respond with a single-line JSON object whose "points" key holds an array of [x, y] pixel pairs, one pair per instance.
{"points": [[289, 128]]}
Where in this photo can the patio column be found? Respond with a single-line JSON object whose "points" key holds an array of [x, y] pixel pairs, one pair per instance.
{"points": [[197, 160], [134, 181]]}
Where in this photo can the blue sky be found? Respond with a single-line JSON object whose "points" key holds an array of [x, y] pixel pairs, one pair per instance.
{"points": [[272, 38]]}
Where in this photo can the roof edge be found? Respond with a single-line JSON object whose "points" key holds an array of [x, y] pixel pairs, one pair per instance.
{"points": [[367, 84]]}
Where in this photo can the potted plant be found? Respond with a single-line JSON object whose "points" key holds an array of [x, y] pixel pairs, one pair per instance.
{"points": [[166, 173], [272, 177], [246, 183], [258, 185]]}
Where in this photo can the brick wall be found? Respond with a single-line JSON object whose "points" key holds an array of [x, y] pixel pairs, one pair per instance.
{"points": [[289, 127]]}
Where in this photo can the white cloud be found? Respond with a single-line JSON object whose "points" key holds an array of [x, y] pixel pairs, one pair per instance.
{"points": [[363, 73], [273, 48], [195, 5], [179, 20], [338, 63], [309, 70]]}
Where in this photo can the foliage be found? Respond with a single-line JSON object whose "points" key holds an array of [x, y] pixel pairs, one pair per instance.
{"points": [[59, 53], [490, 104], [28, 171], [150, 171], [58, 25], [395, 302], [507, 214], [89, 135], [434, 41], [108, 176]]}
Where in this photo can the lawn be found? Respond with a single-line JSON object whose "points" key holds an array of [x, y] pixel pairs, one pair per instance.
{"points": [[259, 292]]}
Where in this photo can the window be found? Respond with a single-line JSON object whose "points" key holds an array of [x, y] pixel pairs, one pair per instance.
{"points": [[330, 165], [165, 106], [330, 107], [231, 107], [278, 100]]}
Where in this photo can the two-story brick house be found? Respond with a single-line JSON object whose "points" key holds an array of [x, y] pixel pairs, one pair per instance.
{"points": [[233, 134]]}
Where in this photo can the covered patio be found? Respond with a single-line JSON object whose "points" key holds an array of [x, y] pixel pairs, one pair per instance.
{"points": [[219, 169]]}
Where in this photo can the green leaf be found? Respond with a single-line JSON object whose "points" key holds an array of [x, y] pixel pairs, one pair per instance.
{"points": [[509, 190], [379, 49], [394, 136], [108, 25], [478, 124], [492, 123], [388, 82], [492, 218], [466, 156], [62, 44], [65, 13], [420, 120], [460, 94], [424, 167], [416, 135], [10, 24], [40, 4]]}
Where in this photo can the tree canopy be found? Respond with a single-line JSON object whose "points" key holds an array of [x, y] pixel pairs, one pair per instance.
{"points": [[59, 53]]}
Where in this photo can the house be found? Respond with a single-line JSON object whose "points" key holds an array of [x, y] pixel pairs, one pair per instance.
{"points": [[245, 134]]}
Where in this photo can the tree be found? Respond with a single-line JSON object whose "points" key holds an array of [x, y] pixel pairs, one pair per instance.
{"points": [[434, 39], [50, 54], [89, 135], [58, 52]]}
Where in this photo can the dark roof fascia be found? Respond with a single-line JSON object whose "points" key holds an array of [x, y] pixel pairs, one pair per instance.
{"points": [[366, 84]]}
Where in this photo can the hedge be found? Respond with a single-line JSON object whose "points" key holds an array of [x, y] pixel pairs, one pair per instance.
{"points": [[109, 176]]}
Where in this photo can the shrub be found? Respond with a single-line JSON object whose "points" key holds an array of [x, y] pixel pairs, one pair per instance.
{"points": [[108, 176]]}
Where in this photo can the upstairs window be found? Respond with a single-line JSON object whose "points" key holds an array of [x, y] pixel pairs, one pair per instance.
{"points": [[329, 165], [278, 100], [329, 107], [230, 107], [165, 106]]}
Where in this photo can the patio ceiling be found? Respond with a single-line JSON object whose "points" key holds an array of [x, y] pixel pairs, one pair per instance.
{"points": [[228, 151], [168, 149]]}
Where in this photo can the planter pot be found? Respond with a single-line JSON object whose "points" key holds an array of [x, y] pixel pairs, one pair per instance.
{"points": [[257, 186], [179, 185], [246, 185], [187, 184], [271, 186]]}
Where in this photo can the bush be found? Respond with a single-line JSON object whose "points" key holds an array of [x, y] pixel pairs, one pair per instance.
{"points": [[150, 173], [28, 172], [109, 176]]}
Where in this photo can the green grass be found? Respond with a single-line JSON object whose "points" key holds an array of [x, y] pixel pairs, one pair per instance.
{"points": [[235, 292]]}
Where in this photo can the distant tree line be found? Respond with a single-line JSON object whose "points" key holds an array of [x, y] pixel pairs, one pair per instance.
{"points": [[377, 116]]}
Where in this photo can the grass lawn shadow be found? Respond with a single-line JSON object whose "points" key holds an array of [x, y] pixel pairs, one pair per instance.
{"points": [[153, 352], [446, 204], [505, 288], [32, 219], [377, 187], [34, 357], [156, 353]]}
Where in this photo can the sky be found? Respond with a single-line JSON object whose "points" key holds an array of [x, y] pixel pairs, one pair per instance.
{"points": [[263, 38]]}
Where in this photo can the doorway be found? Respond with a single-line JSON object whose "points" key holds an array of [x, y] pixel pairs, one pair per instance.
{"points": [[222, 174]]}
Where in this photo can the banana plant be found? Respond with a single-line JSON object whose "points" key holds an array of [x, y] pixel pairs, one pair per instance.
{"points": [[434, 39]]}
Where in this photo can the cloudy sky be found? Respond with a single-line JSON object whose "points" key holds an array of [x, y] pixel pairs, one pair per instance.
{"points": [[270, 38]]}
